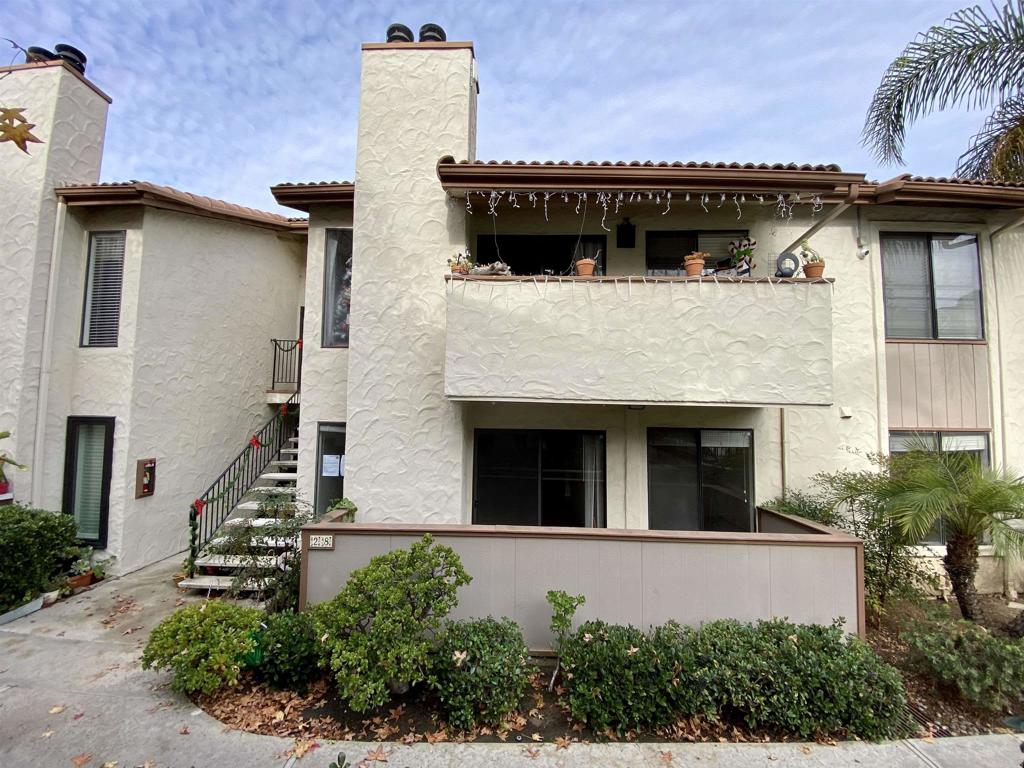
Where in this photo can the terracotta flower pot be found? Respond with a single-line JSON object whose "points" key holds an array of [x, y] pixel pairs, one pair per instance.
{"points": [[585, 267], [813, 269], [693, 267], [80, 580]]}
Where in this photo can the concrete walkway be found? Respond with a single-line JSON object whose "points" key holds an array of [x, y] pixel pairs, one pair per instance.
{"points": [[72, 693]]}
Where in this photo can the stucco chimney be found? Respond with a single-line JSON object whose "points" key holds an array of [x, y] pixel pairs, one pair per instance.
{"points": [[68, 117], [417, 103]]}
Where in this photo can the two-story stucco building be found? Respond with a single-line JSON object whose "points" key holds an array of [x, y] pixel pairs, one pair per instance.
{"points": [[637, 399]]}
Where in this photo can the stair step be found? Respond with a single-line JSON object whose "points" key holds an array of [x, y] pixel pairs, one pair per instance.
{"points": [[293, 440], [256, 506], [256, 542], [278, 476], [216, 583], [273, 490], [291, 451], [285, 462], [254, 522], [236, 561]]}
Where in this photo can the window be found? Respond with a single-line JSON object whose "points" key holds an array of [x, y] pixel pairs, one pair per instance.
{"points": [[542, 254], [700, 479], [337, 287], [330, 465], [88, 459], [665, 250], [539, 477], [101, 314], [932, 286], [975, 443]]}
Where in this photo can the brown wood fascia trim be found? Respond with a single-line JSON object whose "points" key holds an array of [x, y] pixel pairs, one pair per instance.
{"points": [[448, 45], [302, 196], [459, 177], [59, 63], [633, 279], [812, 526], [829, 539]]}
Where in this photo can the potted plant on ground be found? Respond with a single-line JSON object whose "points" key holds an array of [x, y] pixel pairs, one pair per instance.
{"points": [[6, 461], [81, 570], [814, 264], [694, 263]]}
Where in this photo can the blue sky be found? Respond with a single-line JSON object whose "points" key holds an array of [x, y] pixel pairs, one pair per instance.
{"points": [[226, 97]]}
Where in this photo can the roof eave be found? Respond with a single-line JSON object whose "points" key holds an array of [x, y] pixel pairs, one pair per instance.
{"points": [[302, 196]]}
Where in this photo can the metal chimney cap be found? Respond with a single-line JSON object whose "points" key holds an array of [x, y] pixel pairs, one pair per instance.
{"points": [[71, 55], [35, 53], [432, 33], [399, 33]]}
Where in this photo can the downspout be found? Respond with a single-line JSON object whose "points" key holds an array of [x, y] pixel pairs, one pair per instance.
{"points": [[782, 450], [46, 354]]}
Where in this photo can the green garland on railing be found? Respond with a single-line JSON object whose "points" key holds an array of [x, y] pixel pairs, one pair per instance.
{"points": [[196, 508]]}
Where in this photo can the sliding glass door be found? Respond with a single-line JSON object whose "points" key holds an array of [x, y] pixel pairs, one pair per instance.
{"points": [[539, 477], [700, 479], [88, 460]]}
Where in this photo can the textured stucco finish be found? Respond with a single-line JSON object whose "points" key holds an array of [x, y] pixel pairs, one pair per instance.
{"points": [[405, 438], [324, 369], [667, 342], [186, 384], [70, 119]]}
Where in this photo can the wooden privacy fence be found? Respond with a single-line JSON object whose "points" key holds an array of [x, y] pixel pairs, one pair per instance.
{"points": [[790, 568]]}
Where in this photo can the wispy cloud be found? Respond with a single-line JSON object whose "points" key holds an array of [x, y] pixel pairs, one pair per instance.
{"points": [[225, 98]]}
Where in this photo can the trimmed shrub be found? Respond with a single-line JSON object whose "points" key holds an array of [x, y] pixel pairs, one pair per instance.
{"points": [[986, 670], [480, 671], [377, 634], [35, 548], [805, 680], [290, 653], [205, 645]]}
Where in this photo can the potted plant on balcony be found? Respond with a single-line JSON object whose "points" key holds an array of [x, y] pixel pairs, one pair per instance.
{"points": [[461, 264], [693, 263], [6, 461], [585, 267], [814, 264], [742, 255]]}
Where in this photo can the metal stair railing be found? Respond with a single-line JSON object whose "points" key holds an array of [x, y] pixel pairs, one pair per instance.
{"points": [[211, 508], [287, 368]]}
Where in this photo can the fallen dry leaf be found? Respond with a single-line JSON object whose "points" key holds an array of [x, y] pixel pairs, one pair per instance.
{"points": [[436, 736], [109, 764], [537, 737], [379, 755], [78, 716], [562, 743], [47, 734], [805, 749], [183, 730], [131, 630], [82, 759], [532, 752], [666, 757], [302, 746], [411, 738], [57, 709]]}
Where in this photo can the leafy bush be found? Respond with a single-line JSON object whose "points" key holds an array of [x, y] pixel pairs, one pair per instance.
{"points": [[290, 652], [563, 608], [805, 680], [376, 634], [480, 671], [35, 548], [205, 645], [986, 670], [614, 678]]}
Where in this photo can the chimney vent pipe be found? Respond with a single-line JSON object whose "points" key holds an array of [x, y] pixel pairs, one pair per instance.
{"points": [[399, 33], [432, 33]]}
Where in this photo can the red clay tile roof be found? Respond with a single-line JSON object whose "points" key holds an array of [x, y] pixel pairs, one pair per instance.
{"points": [[159, 196], [831, 167]]}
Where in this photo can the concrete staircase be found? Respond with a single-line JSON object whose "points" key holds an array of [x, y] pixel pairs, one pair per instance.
{"points": [[261, 506]]}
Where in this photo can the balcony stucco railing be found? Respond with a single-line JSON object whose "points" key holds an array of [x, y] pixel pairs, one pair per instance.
{"points": [[646, 340], [792, 568]]}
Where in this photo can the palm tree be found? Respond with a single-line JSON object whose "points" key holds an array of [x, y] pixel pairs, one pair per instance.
{"points": [[974, 61], [974, 502]]}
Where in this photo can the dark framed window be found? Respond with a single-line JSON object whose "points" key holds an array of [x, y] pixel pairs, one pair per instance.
{"points": [[974, 443], [666, 249], [104, 275], [539, 477], [931, 286], [88, 462], [542, 254], [330, 465], [700, 479], [337, 287]]}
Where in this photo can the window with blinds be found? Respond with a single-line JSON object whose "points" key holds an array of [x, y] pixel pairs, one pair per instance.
{"points": [[102, 312], [665, 250], [88, 464]]}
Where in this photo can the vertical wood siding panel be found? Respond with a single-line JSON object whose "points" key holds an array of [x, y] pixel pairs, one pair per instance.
{"points": [[940, 412], [982, 393], [908, 385], [968, 394], [954, 405], [923, 376], [893, 388]]}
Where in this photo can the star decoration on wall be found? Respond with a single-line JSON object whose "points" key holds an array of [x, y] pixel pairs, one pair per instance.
{"points": [[16, 128]]}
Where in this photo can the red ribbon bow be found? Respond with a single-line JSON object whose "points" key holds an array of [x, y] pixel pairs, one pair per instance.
{"points": [[199, 504]]}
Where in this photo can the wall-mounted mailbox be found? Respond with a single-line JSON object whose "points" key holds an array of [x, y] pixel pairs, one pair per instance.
{"points": [[145, 477]]}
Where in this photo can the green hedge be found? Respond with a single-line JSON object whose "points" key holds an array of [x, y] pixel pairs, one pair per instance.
{"points": [[35, 547], [480, 671], [804, 680]]}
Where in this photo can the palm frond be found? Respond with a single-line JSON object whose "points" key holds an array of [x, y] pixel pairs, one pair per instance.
{"points": [[997, 151], [973, 61]]}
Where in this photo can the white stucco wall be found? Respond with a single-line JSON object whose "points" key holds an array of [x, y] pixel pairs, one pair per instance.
{"points": [[186, 384], [324, 369], [70, 119], [404, 440], [630, 341]]}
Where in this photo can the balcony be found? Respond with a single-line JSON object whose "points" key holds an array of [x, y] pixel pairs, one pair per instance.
{"points": [[634, 340]]}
